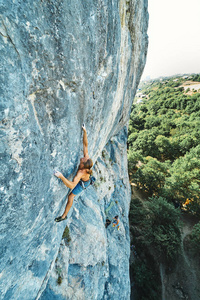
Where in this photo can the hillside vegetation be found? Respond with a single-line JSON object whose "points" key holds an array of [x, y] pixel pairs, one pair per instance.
{"points": [[164, 164], [164, 136]]}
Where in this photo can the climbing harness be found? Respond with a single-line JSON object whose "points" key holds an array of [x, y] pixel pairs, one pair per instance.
{"points": [[116, 223], [92, 181]]}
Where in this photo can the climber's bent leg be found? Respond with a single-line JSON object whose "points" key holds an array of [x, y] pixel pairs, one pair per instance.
{"points": [[69, 205], [77, 190], [67, 208]]}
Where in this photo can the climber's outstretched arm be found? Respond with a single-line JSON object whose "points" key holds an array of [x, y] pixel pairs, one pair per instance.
{"points": [[85, 142], [68, 183]]}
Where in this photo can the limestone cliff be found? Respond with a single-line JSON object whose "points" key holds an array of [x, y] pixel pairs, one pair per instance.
{"points": [[64, 63]]}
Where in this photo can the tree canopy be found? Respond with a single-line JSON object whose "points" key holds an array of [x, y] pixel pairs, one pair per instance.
{"points": [[164, 136], [164, 165]]}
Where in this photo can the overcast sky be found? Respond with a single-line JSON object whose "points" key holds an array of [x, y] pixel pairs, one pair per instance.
{"points": [[174, 38]]}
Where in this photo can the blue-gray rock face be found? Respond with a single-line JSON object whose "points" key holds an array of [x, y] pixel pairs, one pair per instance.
{"points": [[64, 63]]}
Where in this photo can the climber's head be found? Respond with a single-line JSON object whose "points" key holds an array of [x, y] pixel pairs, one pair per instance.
{"points": [[116, 217], [86, 163]]}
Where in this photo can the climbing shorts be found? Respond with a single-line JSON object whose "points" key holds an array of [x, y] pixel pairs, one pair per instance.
{"points": [[81, 186]]}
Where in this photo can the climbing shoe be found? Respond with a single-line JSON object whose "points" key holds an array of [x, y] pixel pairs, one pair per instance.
{"points": [[59, 219]]}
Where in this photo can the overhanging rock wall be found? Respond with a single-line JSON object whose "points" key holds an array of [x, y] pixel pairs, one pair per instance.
{"points": [[64, 63]]}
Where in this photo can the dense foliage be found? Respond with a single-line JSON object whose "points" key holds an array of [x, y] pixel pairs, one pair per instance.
{"points": [[159, 227], [164, 163], [164, 136], [155, 231]]}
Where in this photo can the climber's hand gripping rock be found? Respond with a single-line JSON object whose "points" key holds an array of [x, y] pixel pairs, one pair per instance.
{"points": [[58, 174]]}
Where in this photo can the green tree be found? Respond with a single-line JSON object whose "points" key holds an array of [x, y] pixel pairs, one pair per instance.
{"points": [[144, 142], [164, 147], [133, 158], [184, 182], [155, 224], [151, 175], [152, 121]]}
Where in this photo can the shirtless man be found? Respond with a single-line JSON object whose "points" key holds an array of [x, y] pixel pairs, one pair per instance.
{"points": [[80, 181]]}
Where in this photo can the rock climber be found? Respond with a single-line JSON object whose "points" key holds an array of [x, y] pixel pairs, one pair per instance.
{"points": [[116, 222], [82, 179]]}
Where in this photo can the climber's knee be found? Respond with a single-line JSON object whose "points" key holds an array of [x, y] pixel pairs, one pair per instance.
{"points": [[71, 199]]}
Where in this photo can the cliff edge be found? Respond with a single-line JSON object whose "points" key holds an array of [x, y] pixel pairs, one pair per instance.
{"points": [[64, 63]]}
